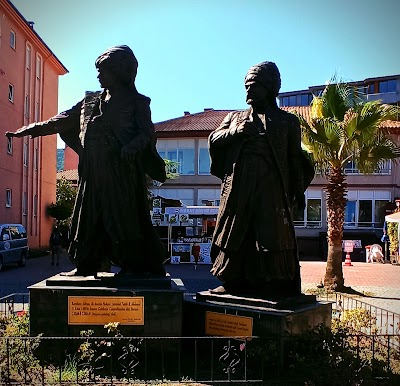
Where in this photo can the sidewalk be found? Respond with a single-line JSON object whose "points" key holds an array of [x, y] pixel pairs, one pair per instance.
{"points": [[379, 283]]}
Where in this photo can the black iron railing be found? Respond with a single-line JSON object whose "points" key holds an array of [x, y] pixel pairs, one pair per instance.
{"points": [[209, 360], [13, 303], [367, 351], [379, 320]]}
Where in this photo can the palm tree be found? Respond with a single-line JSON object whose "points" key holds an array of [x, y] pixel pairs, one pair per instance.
{"points": [[342, 128]]}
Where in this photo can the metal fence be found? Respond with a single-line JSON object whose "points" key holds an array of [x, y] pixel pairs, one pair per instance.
{"points": [[207, 360], [14, 303], [380, 320], [371, 353]]}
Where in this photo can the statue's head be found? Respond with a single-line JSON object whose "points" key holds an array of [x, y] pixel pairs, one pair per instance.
{"points": [[121, 62], [262, 83]]}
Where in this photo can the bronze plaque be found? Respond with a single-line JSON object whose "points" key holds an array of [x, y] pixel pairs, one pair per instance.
{"points": [[228, 325], [106, 309]]}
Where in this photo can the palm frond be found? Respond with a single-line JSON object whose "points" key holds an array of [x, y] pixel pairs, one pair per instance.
{"points": [[338, 97], [372, 155]]}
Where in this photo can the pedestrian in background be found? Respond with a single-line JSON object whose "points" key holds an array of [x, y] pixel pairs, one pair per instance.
{"points": [[196, 254], [55, 244]]}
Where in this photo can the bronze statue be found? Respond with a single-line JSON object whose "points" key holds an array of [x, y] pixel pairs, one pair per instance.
{"points": [[257, 154], [112, 132]]}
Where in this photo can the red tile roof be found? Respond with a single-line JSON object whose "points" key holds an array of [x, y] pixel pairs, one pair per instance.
{"points": [[70, 175], [209, 119]]}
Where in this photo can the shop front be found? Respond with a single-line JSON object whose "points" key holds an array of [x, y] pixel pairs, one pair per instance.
{"points": [[190, 229]]}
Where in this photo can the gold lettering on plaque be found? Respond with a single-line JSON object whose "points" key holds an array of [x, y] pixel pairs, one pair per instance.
{"points": [[228, 325], [106, 309]]}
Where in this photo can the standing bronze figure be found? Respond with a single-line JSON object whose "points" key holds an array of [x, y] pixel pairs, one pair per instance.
{"points": [[257, 154], [112, 132]]}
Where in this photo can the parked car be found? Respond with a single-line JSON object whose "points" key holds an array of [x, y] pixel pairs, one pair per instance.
{"points": [[13, 245]]}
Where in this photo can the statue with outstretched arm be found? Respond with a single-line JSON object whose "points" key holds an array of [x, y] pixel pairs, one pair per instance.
{"points": [[112, 132]]}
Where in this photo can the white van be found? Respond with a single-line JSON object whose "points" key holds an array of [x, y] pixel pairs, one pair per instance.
{"points": [[13, 245]]}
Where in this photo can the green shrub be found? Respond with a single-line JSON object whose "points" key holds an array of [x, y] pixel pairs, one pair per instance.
{"points": [[17, 359]]}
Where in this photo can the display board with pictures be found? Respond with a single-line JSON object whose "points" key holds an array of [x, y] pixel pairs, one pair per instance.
{"points": [[182, 250]]}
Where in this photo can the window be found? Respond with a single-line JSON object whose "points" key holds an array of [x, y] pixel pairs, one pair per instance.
{"points": [[311, 217], [180, 151], [11, 93], [366, 209], [26, 106], [292, 100], [371, 88], [4, 232], [28, 57], [208, 197], [37, 112], [15, 235], [38, 66], [185, 195], [24, 204], [384, 169], [9, 145], [380, 211], [350, 213], [35, 205], [305, 99], [204, 157], [8, 198], [35, 158], [285, 101], [25, 153], [21, 231], [387, 86], [13, 39], [365, 213]]}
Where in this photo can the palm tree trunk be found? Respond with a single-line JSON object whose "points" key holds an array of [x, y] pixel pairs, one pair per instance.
{"points": [[336, 204]]}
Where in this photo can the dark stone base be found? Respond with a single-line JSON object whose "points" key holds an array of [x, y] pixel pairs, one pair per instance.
{"points": [[163, 305], [289, 316]]}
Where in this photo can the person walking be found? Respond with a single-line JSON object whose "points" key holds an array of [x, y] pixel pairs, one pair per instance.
{"points": [[55, 244]]}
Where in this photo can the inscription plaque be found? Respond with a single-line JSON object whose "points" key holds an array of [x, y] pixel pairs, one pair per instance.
{"points": [[106, 309], [228, 325]]}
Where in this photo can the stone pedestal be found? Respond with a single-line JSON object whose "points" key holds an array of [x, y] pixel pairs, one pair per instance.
{"points": [[161, 300], [269, 317]]}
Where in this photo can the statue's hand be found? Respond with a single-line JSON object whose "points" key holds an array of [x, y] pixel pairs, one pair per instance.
{"points": [[128, 152], [18, 133]]}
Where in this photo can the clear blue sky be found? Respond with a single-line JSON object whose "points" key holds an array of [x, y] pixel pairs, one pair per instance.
{"points": [[194, 54]]}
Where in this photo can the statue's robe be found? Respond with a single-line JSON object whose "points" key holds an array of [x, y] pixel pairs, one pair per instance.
{"points": [[111, 207], [254, 241]]}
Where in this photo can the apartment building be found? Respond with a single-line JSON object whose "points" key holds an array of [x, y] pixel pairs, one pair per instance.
{"points": [[383, 88], [29, 73]]}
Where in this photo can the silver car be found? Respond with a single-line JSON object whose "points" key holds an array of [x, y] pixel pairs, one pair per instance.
{"points": [[13, 245]]}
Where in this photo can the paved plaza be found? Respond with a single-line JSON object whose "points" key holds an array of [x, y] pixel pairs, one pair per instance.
{"points": [[374, 283], [377, 284]]}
